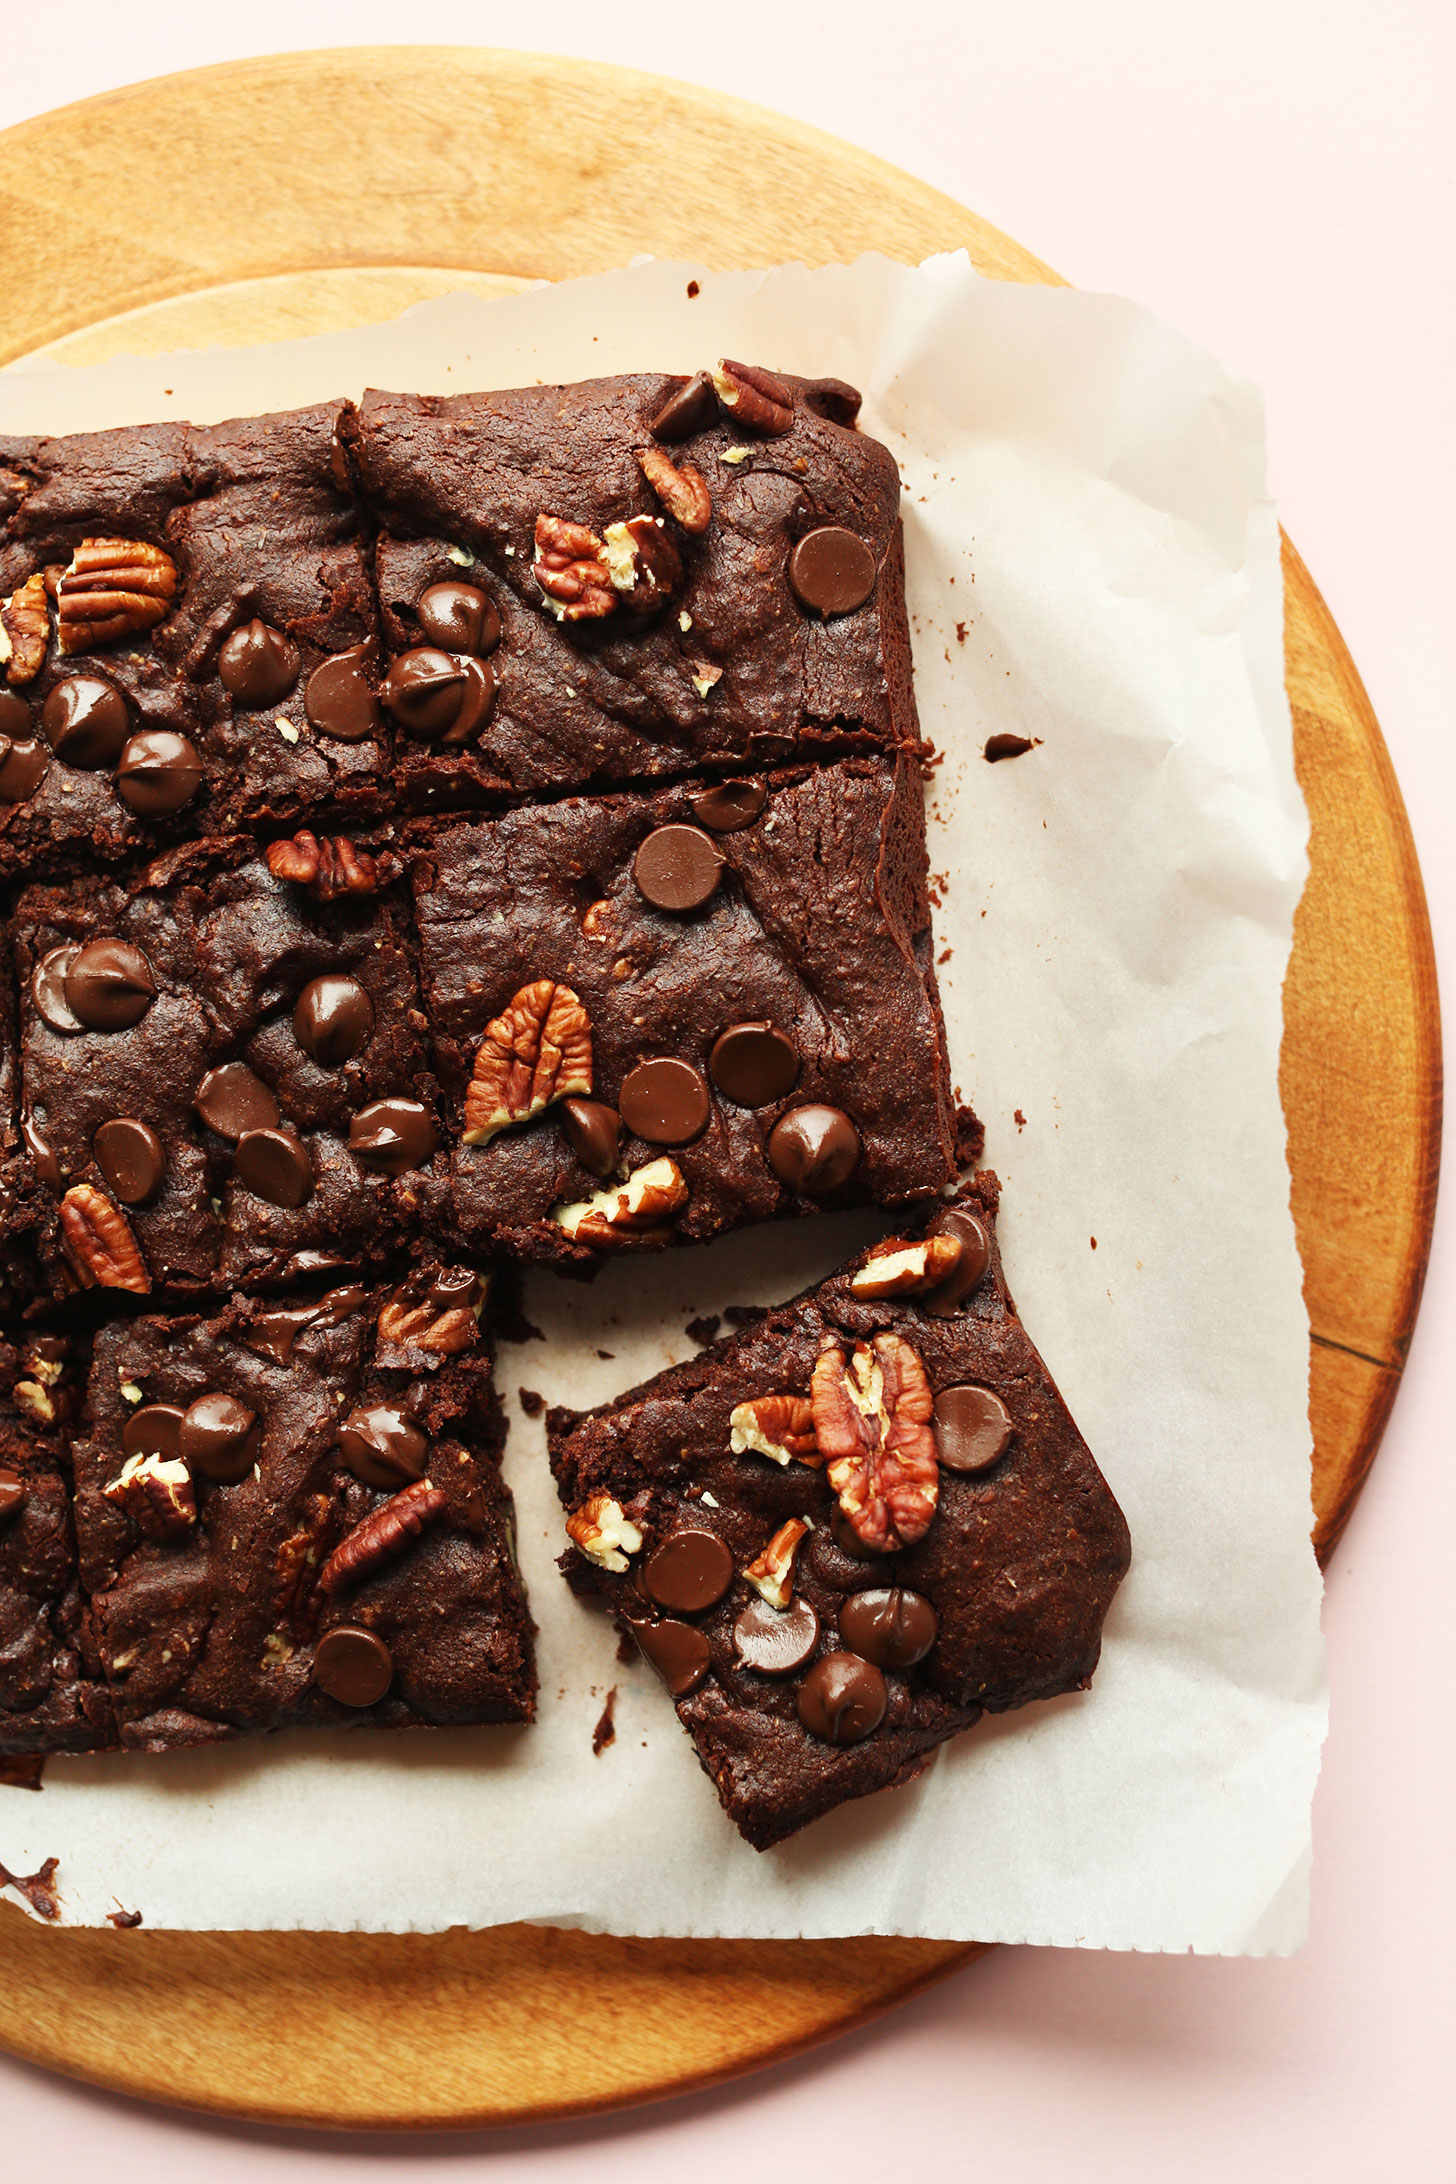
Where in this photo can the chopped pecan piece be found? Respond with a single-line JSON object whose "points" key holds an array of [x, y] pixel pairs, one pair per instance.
{"points": [[332, 865], [872, 1415], [780, 1427], [156, 1493], [757, 398], [381, 1536], [25, 629], [296, 1566], [602, 1530], [897, 1268], [437, 1310], [114, 588], [570, 566], [539, 1049], [772, 1572], [97, 1240], [634, 1212], [682, 492], [645, 567]]}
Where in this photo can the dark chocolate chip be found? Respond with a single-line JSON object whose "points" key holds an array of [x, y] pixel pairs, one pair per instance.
{"points": [[12, 1497], [664, 1102], [274, 1165], [592, 1130], [220, 1437], [233, 1098], [970, 1269], [690, 408], [109, 985], [437, 698], [48, 988], [352, 1665], [754, 1064], [1007, 746], [130, 1156], [459, 618], [834, 399], [393, 1135], [842, 1699], [158, 772], [84, 720], [339, 463], [776, 1641], [813, 1150], [23, 763], [154, 1430], [678, 867], [333, 1019], [729, 805], [339, 701], [15, 716], [688, 1572], [894, 1629], [272, 1334], [972, 1428], [831, 571], [677, 1651], [381, 1447], [43, 1157], [258, 664]]}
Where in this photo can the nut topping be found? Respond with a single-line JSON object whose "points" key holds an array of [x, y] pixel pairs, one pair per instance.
{"points": [[780, 1427], [636, 1211], [537, 1051], [382, 1536], [772, 1572], [296, 1562], [570, 566], [682, 492], [896, 1268], [603, 1531], [756, 398], [644, 565], [332, 866], [872, 1416], [97, 1240], [156, 1493], [438, 1309], [25, 629], [114, 588]]}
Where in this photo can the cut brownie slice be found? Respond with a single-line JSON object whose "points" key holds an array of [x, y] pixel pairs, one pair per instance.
{"points": [[845, 1532], [294, 1513], [661, 1016], [631, 577]]}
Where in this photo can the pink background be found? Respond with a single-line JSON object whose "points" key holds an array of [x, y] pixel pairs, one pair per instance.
{"points": [[1276, 177]]}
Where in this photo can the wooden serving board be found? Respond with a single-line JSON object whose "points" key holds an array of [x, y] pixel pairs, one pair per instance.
{"points": [[276, 197]]}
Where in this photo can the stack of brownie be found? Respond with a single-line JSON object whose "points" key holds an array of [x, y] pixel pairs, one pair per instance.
{"points": [[451, 833]]}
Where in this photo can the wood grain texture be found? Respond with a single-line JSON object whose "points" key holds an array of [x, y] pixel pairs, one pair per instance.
{"points": [[487, 170]]}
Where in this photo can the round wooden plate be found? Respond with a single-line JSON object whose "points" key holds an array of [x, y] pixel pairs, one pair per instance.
{"points": [[276, 197]]}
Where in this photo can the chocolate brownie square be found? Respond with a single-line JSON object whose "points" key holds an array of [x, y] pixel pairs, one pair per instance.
{"points": [[294, 1513], [656, 1017], [842, 1534], [629, 578]]}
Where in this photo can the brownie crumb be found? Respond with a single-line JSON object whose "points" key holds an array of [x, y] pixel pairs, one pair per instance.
{"points": [[704, 1328], [531, 1403], [693, 290], [1008, 747], [605, 1732], [608, 1355], [744, 1315], [627, 1647], [37, 1888], [122, 1919], [970, 1138], [1094, 1243], [1019, 1119], [21, 1770]]}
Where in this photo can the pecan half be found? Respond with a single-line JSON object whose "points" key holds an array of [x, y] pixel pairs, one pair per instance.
{"points": [[644, 565], [603, 1531], [570, 566], [539, 1049], [97, 1240], [114, 588], [25, 629], [634, 1212], [296, 1565], [872, 1416], [156, 1493], [898, 1268], [757, 398], [780, 1427], [437, 1310], [381, 1536], [682, 492], [772, 1572], [332, 865]]}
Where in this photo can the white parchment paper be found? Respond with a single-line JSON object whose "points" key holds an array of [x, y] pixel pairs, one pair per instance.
{"points": [[1093, 562]]}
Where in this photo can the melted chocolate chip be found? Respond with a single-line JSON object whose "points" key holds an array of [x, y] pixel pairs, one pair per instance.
{"points": [[459, 618], [754, 1064], [274, 1165], [592, 1130], [352, 1666], [393, 1135], [894, 1629], [48, 989], [339, 700], [233, 1098], [690, 408], [813, 1150], [15, 716], [437, 698], [678, 868], [688, 1572], [219, 1437], [42, 1155], [258, 664], [130, 1156], [12, 1497], [729, 805], [154, 1430], [970, 1269], [972, 1428], [664, 1102], [775, 1641], [109, 985], [23, 763], [381, 1447], [84, 720], [831, 571], [158, 772], [677, 1651], [333, 1019], [1007, 746], [842, 1699], [272, 1334]]}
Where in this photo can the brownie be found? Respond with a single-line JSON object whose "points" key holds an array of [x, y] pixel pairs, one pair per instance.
{"points": [[293, 1513], [647, 597], [731, 988], [244, 1096], [201, 577], [928, 1535]]}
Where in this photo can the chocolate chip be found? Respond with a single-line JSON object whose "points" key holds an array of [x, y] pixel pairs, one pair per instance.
{"points": [[834, 399], [393, 1135], [15, 716], [84, 720], [274, 1165], [339, 463], [437, 698], [23, 760], [969, 1270], [339, 701], [459, 618], [158, 772], [154, 1430], [46, 1165], [381, 1447], [729, 805], [972, 1428], [219, 1437], [272, 1334], [664, 1102], [678, 867], [1007, 746], [352, 1665], [131, 1158], [333, 1019], [233, 1098], [894, 1629], [754, 1064], [689, 1571], [109, 985], [48, 989], [813, 1150], [842, 1699], [775, 1641], [690, 408], [677, 1651], [592, 1130], [258, 664], [831, 571], [12, 1497]]}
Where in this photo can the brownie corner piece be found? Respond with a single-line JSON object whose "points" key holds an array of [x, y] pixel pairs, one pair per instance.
{"points": [[846, 1532]]}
